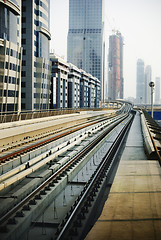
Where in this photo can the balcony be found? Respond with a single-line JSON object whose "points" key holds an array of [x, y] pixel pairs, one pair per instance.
{"points": [[11, 6]]}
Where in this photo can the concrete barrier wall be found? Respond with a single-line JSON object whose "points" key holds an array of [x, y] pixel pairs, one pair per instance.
{"points": [[146, 136]]}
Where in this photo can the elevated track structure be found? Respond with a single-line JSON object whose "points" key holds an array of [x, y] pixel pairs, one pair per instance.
{"points": [[72, 159]]}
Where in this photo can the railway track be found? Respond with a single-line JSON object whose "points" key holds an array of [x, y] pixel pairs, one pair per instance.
{"points": [[43, 140], [74, 225], [41, 154], [11, 222]]}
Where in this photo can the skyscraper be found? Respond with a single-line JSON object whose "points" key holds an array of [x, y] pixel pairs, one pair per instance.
{"points": [[148, 75], [140, 83], [157, 90], [10, 55], [86, 37], [115, 67], [36, 68]]}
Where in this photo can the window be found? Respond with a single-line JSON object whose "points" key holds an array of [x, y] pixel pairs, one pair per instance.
{"points": [[1, 78], [7, 51], [36, 43], [23, 41], [23, 62], [36, 12], [36, 95], [24, 51], [23, 95], [23, 106], [11, 52], [6, 65], [13, 80], [36, 22], [1, 65], [23, 9], [23, 19], [23, 84], [36, 106], [35, 54], [23, 73], [11, 93], [23, 30]]}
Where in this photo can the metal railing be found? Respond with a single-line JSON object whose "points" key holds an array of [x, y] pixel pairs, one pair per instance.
{"points": [[26, 115]]}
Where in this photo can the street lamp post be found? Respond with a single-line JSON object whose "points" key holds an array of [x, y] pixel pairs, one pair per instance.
{"points": [[151, 84]]}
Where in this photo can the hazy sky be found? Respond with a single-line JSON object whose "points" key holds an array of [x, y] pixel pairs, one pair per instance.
{"points": [[139, 21]]}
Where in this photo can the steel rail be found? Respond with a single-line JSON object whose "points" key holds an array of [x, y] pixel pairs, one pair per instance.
{"points": [[11, 212], [106, 164]]}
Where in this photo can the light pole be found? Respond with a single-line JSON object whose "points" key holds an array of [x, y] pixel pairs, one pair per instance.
{"points": [[151, 84]]}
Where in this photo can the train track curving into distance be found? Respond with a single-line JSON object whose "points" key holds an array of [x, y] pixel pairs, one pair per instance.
{"points": [[61, 174]]}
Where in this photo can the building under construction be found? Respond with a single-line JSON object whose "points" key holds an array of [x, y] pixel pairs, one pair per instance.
{"points": [[115, 67]]}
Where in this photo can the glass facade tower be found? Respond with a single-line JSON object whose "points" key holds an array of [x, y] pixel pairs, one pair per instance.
{"points": [[86, 37], [140, 82], [157, 90], [148, 79]]}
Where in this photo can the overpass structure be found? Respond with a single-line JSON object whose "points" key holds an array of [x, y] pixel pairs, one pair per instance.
{"points": [[80, 175]]}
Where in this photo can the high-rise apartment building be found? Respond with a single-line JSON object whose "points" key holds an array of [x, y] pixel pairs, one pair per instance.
{"points": [[10, 55], [86, 37], [157, 90], [59, 82], [148, 76], [36, 68], [115, 67], [140, 83], [74, 77]]}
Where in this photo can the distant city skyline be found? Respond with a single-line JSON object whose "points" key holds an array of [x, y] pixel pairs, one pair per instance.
{"points": [[139, 23]]}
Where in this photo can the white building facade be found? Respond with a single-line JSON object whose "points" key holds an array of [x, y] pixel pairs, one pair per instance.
{"points": [[74, 77], [59, 82], [10, 55]]}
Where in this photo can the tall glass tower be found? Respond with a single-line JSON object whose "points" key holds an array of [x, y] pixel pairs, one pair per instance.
{"points": [[148, 79], [86, 37], [140, 82], [157, 90]]}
